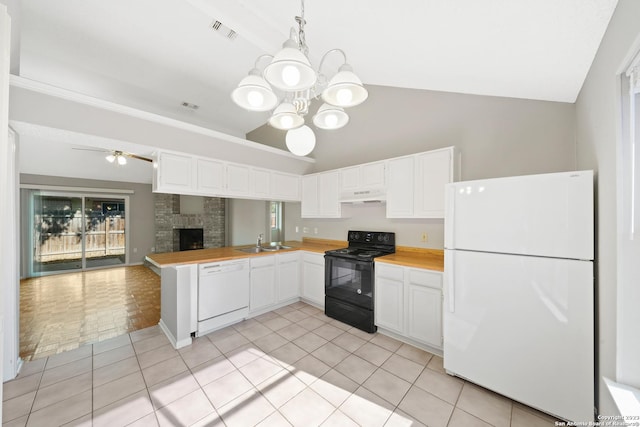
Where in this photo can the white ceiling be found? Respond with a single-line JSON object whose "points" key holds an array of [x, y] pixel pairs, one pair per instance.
{"points": [[155, 54]]}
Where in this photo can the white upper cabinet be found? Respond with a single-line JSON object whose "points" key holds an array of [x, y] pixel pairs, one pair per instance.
{"points": [[329, 205], [260, 183], [173, 173], [320, 195], [362, 181], [285, 186], [400, 188], [309, 208], [210, 176], [433, 171], [416, 184], [184, 174], [237, 180]]}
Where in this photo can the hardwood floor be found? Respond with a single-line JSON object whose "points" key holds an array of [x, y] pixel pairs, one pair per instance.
{"points": [[64, 311]]}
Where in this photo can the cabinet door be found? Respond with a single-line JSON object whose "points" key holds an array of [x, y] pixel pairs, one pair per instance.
{"points": [[309, 208], [328, 196], [313, 278], [424, 314], [433, 171], [175, 173], [400, 188], [210, 176], [372, 175], [288, 277], [263, 285], [350, 179], [285, 186], [237, 180], [389, 302], [260, 183]]}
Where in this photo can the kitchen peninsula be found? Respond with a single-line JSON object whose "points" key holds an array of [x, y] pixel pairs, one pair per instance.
{"points": [[252, 284]]}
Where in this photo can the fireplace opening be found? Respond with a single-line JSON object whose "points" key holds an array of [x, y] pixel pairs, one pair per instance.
{"points": [[191, 238]]}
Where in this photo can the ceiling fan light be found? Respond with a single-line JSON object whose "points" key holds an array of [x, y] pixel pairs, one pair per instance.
{"points": [[330, 117], [286, 117], [290, 69], [345, 89], [254, 94], [301, 141], [122, 160], [110, 158]]}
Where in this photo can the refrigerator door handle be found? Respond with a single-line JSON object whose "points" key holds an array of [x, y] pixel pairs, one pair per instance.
{"points": [[450, 205], [450, 278]]}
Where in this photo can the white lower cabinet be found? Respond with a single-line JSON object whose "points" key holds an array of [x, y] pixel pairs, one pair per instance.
{"points": [[409, 303], [288, 276], [389, 298], [275, 281], [263, 283], [313, 278]]}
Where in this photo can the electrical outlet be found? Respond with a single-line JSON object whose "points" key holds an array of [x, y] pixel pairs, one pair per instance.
{"points": [[305, 229], [315, 230], [135, 250], [424, 237], [297, 229]]}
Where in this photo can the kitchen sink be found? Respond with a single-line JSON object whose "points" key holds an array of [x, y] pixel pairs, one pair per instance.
{"points": [[258, 249], [278, 247]]}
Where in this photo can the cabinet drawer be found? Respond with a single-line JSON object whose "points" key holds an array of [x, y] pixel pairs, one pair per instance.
{"points": [[389, 271], [263, 261], [313, 258], [426, 278]]}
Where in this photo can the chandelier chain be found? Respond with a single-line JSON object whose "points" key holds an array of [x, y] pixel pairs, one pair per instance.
{"points": [[302, 41]]}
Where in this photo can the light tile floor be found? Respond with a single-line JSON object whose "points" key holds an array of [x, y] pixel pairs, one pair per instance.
{"points": [[293, 366]]}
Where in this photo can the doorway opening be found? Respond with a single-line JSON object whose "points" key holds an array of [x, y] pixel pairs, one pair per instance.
{"points": [[73, 232]]}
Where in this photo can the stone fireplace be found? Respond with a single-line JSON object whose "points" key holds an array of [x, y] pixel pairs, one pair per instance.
{"points": [[172, 216]]}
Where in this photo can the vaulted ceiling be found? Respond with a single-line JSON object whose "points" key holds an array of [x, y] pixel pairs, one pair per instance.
{"points": [[156, 54]]}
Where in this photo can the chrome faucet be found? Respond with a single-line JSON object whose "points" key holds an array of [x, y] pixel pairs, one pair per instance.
{"points": [[259, 244]]}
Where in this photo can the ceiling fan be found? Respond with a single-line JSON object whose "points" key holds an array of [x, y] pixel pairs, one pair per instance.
{"points": [[116, 156]]}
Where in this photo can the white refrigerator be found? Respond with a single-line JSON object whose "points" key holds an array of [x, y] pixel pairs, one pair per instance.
{"points": [[519, 289]]}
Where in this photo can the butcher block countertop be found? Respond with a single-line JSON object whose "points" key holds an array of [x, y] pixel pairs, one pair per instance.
{"points": [[431, 259], [199, 256]]}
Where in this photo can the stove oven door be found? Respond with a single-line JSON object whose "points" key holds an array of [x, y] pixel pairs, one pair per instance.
{"points": [[349, 280]]}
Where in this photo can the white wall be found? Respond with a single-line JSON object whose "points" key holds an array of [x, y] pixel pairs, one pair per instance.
{"points": [[365, 217], [597, 125], [496, 136], [247, 219]]}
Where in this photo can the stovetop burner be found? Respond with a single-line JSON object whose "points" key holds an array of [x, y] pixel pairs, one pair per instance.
{"points": [[366, 245]]}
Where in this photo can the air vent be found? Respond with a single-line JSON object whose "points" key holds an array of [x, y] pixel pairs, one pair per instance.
{"points": [[190, 106], [223, 30]]}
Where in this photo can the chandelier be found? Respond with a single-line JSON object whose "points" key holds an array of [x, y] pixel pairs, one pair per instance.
{"points": [[290, 72]]}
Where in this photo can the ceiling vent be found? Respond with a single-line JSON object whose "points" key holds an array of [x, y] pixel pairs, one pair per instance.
{"points": [[223, 30], [190, 106]]}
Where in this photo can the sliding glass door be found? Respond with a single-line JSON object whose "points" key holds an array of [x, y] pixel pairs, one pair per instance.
{"points": [[75, 232]]}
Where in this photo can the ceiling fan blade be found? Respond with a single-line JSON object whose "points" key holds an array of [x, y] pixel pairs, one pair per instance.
{"points": [[135, 156], [91, 149]]}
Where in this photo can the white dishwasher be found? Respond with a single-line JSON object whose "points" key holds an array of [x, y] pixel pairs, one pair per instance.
{"points": [[223, 294]]}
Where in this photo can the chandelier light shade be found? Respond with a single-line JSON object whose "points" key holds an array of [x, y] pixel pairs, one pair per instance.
{"points": [[254, 93], [122, 160], [345, 89], [286, 117], [290, 69], [301, 141], [110, 158], [290, 72], [330, 117]]}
